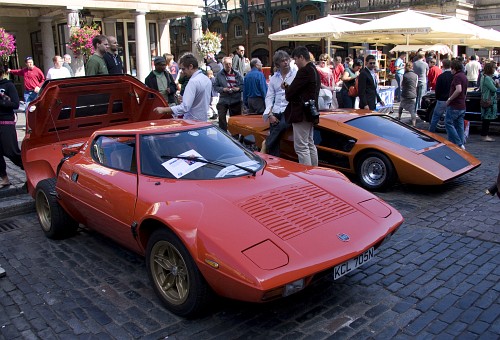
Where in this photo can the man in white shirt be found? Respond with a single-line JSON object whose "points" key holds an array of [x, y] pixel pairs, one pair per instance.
{"points": [[472, 71], [197, 95], [58, 71], [276, 102]]}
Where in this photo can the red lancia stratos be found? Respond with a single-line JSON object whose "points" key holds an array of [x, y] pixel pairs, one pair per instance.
{"points": [[209, 215]]}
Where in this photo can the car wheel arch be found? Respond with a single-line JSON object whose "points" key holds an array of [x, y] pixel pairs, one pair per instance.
{"points": [[360, 156]]}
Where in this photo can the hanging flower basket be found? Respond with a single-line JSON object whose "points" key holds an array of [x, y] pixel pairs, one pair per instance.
{"points": [[7, 45], [209, 43], [80, 40]]}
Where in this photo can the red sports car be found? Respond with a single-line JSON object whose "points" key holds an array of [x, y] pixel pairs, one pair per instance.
{"points": [[209, 215]]}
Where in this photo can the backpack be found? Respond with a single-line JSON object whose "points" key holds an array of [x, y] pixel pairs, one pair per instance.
{"points": [[353, 90]]}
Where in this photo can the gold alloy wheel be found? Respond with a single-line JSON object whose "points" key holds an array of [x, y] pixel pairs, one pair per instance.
{"points": [[170, 272], [43, 210]]}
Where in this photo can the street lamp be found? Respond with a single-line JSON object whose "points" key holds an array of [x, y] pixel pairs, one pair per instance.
{"points": [[224, 15], [87, 17]]}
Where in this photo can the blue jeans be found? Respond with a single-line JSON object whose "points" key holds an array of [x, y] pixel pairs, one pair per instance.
{"points": [[29, 96], [275, 131], [397, 93], [439, 110], [421, 87], [347, 101], [455, 125]]}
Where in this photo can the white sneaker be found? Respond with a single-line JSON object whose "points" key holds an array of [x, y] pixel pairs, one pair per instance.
{"points": [[462, 147]]}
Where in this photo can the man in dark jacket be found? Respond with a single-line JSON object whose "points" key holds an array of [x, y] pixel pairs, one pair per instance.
{"points": [[229, 83], [443, 85], [303, 89], [367, 85], [9, 146], [162, 81], [112, 58]]}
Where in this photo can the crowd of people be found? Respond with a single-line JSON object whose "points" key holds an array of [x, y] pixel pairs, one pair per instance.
{"points": [[450, 80], [233, 84]]}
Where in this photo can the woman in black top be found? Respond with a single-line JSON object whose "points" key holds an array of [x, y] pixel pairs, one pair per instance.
{"points": [[9, 147]]}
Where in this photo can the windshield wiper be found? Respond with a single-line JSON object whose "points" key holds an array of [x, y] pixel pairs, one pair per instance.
{"points": [[217, 163]]}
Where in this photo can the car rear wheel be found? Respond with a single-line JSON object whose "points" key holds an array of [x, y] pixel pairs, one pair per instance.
{"points": [[55, 221], [175, 277], [375, 171]]}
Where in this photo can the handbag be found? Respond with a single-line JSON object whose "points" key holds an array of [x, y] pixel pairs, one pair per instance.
{"points": [[353, 90], [484, 103]]}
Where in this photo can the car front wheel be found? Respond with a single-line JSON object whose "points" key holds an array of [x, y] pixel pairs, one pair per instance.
{"points": [[375, 171], [55, 221], [175, 277]]}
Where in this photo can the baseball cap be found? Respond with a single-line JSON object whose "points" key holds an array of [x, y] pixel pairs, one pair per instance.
{"points": [[159, 60], [28, 58]]}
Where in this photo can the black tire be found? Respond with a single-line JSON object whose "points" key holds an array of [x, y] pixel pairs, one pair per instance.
{"points": [[375, 171], [54, 220], [169, 264], [440, 127]]}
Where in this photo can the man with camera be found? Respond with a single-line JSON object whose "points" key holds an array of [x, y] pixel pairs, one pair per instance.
{"points": [[302, 95]]}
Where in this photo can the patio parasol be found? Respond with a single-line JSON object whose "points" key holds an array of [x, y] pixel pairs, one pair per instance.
{"points": [[329, 27], [404, 28]]}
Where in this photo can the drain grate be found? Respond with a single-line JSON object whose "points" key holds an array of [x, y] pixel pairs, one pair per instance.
{"points": [[6, 226]]}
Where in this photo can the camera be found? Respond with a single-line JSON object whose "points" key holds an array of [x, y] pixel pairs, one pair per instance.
{"points": [[311, 105]]}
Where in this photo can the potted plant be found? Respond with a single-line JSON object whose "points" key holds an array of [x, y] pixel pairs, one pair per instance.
{"points": [[209, 43], [7, 45], [80, 40]]}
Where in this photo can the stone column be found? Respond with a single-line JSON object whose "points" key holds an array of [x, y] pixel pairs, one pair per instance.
{"points": [[109, 26], [197, 33], [143, 61], [47, 44], [74, 21], [164, 28]]}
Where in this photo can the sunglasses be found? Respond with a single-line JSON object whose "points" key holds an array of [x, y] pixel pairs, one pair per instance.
{"points": [[372, 63]]}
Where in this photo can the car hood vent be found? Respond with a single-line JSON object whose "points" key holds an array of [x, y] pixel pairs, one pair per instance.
{"points": [[295, 209]]}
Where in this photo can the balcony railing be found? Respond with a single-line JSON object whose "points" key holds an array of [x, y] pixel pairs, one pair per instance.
{"points": [[345, 6], [382, 4]]}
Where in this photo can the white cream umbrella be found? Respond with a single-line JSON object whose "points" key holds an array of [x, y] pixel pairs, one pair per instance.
{"points": [[329, 27], [405, 27]]}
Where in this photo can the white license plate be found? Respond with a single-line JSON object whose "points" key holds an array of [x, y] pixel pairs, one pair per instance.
{"points": [[355, 262]]}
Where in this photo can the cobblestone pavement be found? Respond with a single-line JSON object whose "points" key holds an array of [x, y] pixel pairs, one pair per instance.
{"points": [[437, 277]]}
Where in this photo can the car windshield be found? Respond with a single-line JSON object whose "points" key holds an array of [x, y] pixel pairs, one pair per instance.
{"points": [[204, 153], [394, 131]]}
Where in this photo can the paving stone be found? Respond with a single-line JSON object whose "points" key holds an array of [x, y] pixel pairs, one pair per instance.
{"points": [[450, 315], [491, 314], [421, 322], [437, 327], [426, 282]]}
